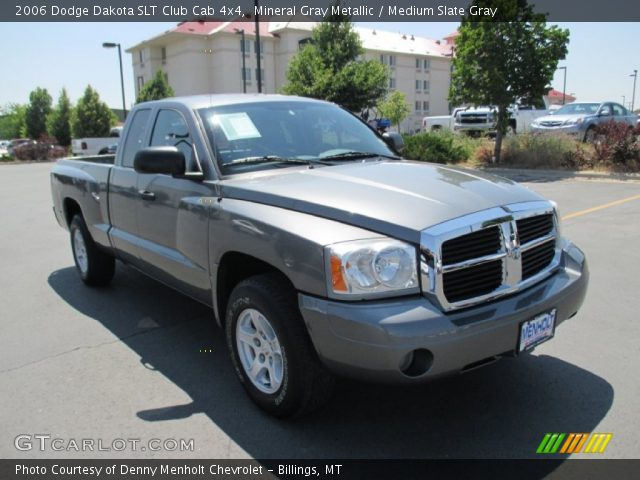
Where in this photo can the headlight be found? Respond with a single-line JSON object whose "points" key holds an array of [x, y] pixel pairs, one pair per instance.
{"points": [[574, 121], [371, 268]]}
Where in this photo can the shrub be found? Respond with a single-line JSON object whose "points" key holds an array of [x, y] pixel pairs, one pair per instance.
{"points": [[616, 145], [438, 147], [540, 151], [44, 149]]}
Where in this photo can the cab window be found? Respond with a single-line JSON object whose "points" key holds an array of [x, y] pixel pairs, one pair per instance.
{"points": [[171, 129]]}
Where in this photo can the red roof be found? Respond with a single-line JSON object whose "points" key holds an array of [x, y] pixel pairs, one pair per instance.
{"points": [[207, 28], [452, 35], [556, 94]]}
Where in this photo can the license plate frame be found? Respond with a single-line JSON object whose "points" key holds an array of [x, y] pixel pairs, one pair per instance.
{"points": [[534, 339]]}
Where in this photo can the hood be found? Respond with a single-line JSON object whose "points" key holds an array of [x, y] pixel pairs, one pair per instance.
{"points": [[394, 198], [561, 118]]}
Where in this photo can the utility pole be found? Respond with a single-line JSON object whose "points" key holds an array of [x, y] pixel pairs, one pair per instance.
{"points": [[257, 20], [633, 97], [240, 31]]}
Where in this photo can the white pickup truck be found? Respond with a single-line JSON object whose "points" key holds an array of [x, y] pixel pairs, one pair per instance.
{"points": [[482, 120], [90, 146]]}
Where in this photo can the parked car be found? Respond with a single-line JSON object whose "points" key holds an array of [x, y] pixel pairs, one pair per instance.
{"points": [[110, 150], [435, 123], [319, 249], [4, 147], [16, 142], [580, 119], [93, 145]]}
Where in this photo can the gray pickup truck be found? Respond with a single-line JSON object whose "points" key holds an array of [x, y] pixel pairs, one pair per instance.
{"points": [[319, 249]]}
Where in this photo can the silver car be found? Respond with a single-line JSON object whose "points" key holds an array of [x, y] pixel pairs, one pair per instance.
{"points": [[580, 119]]}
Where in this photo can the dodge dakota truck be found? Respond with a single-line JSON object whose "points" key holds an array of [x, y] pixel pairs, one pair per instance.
{"points": [[319, 249]]}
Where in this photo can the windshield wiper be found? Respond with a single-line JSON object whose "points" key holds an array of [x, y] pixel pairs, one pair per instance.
{"points": [[275, 159], [355, 155]]}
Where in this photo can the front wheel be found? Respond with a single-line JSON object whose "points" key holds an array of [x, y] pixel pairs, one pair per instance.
{"points": [[270, 348], [95, 267]]}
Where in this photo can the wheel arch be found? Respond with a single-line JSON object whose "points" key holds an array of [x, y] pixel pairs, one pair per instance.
{"points": [[234, 267]]}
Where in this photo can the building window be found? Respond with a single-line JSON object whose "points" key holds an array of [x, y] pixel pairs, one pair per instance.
{"points": [[246, 74], [255, 48], [425, 86], [418, 85], [388, 60], [163, 55], [425, 105], [418, 106], [426, 64], [418, 64], [140, 83], [141, 56], [392, 83], [247, 47]]}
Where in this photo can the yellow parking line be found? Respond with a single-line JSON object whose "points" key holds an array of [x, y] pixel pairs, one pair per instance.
{"points": [[601, 207]]}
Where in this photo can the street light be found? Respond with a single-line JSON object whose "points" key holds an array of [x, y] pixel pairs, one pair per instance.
{"points": [[633, 97], [564, 85], [240, 31], [113, 45]]}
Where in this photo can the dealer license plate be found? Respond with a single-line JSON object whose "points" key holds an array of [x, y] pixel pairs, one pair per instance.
{"points": [[537, 330]]}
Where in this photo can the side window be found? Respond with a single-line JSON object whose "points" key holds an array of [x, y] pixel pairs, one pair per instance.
{"points": [[135, 137], [171, 129], [618, 110], [605, 110]]}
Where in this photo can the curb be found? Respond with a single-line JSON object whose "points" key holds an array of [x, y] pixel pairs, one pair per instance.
{"points": [[529, 175]]}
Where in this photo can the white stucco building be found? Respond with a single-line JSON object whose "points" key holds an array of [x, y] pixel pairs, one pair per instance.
{"points": [[206, 57]]}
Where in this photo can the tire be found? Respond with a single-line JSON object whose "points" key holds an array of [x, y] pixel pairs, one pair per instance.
{"points": [[95, 267], [287, 379], [590, 135]]}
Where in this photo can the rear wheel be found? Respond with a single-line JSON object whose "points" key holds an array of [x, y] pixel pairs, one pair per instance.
{"points": [[95, 267], [270, 348]]}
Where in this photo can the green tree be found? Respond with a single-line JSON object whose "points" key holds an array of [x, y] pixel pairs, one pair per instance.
{"points": [[92, 117], [38, 109], [12, 121], [329, 68], [155, 89], [59, 121], [394, 107], [510, 59]]}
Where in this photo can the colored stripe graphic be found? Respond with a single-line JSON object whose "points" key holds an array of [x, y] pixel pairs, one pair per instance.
{"points": [[556, 443]]}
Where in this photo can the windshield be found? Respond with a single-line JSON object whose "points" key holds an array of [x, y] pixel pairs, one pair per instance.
{"points": [[578, 108], [253, 136]]}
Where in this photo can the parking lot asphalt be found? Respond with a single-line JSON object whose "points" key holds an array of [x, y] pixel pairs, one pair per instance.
{"points": [[138, 361]]}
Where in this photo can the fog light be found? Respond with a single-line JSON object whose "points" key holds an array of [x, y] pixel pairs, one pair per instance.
{"points": [[417, 362]]}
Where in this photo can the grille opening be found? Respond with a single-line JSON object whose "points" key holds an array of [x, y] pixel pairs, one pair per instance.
{"points": [[472, 245], [537, 259], [473, 281], [534, 227]]}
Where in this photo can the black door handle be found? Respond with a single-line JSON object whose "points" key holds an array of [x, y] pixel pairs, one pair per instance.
{"points": [[147, 195]]}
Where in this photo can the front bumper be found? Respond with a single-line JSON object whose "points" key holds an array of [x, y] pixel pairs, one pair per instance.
{"points": [[575, 130], [371, 340], [474, 127]]}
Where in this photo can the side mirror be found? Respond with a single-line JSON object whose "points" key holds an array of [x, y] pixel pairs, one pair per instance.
{"points": [[166, 160], [394, 140]]}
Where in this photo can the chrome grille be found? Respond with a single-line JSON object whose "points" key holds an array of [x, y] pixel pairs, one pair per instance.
{"points": [[488, 254], [534, 227], [473, 281], [471, 245], [537, 259]]}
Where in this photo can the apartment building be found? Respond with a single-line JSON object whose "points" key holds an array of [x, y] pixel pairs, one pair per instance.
{"points": [[206, 57]]}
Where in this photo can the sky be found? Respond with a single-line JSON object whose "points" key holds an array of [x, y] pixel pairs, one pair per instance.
{"points": [[601, 58]]}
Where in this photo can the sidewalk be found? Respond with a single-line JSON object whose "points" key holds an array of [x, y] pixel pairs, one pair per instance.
{"points": [[525, 175]]}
